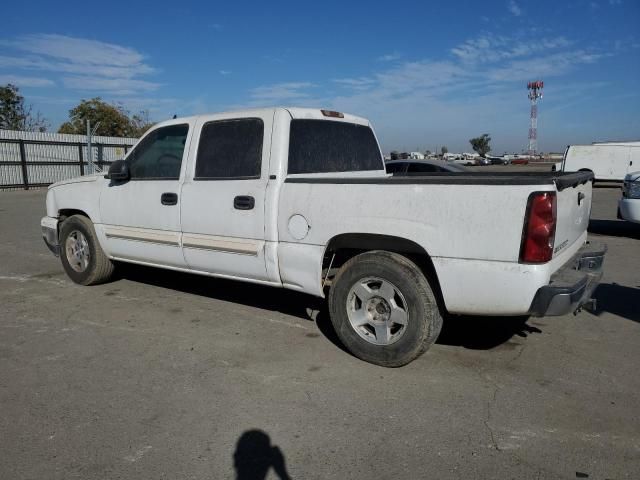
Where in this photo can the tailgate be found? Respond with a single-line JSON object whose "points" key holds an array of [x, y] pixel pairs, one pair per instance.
{"points": [[573, 211]]}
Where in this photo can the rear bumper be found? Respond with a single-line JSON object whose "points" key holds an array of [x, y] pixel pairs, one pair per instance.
{"points": [[50, 234], [572, 285]]}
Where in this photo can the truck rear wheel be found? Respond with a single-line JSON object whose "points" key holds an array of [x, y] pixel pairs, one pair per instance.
{"points": [[82, 257], [383, 309]]}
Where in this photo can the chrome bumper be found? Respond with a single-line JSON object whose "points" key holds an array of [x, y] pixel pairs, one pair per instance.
{"points": [[50, 234], [571, 286]]}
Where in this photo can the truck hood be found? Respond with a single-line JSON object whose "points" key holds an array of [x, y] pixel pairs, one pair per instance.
{"points": [[85, 178]]}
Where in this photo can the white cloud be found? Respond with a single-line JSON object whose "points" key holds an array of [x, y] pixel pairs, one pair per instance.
{"points": [[389, 57], [478, 88], [26, 81], [497, 48], [282, 91], [225, 72], [361, 83], [514, 8], [83, 64], [119, 86], [548, 66], [39, 63], [78, 50]]}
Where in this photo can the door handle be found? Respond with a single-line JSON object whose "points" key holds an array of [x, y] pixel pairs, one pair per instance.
{"points": [[244, 202], [169, 198]]}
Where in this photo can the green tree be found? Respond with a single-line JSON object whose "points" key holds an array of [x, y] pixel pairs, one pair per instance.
{"points": [[481, 144], [114, 119], [140, 123], [444, 150], [394, 155], [16, 115]]}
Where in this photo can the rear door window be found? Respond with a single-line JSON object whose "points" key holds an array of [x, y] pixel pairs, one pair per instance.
{"points": [[230, 150], [323, 146]]}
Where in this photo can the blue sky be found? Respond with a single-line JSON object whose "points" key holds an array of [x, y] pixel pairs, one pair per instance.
{"points": [[426, 73]]}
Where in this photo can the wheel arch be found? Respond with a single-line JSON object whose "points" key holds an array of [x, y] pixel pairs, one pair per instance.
{"points": [[345, 246], [65, 213]]}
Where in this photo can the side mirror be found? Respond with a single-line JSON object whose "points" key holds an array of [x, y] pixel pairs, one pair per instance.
{"points": [[119, 171]]}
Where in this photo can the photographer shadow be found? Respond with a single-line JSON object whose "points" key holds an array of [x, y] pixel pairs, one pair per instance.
{"points": [[255, 456]]}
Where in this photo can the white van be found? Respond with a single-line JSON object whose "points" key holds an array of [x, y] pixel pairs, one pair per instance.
{"points": [[608, 161]]}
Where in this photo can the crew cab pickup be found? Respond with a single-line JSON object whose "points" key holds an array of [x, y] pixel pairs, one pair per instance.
{"points": [[299, 199]]}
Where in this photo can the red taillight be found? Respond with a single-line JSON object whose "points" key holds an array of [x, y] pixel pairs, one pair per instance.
{"points": [[539, 228]]}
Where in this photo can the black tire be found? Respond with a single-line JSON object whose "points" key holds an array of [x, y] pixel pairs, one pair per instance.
{"points": [[99, 268], [424, 320]]}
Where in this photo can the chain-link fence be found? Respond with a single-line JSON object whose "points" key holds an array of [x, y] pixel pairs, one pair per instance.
{"points": [[29, 159]]}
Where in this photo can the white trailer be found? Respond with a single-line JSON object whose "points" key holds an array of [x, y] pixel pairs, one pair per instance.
{"points": [[607, 161]]}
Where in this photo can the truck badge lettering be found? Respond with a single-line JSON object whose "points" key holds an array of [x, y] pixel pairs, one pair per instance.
{"points": [[561, 246]]}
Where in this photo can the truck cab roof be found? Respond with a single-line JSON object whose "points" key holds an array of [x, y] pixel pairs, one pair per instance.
{"points": [[295, 112]]}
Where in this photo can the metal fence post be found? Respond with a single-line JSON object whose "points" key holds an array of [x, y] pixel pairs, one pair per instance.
{"points": [[23, 163], [81, 159], [100, 155]]}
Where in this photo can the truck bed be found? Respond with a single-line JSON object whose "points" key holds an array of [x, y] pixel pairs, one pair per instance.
{"points": [[561, 180]]}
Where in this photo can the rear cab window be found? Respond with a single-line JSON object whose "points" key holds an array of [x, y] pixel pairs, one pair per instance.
{"points": [[230, 150], [325, 146]]}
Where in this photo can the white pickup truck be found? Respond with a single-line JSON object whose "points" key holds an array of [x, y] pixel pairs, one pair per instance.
{"points": [[299, 198]]}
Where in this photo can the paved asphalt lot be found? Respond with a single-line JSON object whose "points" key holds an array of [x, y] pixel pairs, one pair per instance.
{"points": [[164, 375]]}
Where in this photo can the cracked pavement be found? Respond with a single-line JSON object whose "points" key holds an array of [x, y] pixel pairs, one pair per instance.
{"points": [[164, 375]]}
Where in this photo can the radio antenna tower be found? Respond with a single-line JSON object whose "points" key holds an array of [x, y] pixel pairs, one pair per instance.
{"points": [[535, 92]]}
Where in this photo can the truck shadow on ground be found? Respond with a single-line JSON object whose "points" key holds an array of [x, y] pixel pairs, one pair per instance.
{"points": [[483, 333], [478, 333], [614, 228], [619, 300]]}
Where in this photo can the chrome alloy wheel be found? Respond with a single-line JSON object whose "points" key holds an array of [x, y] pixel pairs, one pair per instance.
{"points": [[377, 311], [77, 251]]}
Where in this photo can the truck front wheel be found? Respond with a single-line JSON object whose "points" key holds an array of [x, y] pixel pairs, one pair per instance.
{"points": [[81, 254], [383, 309]]}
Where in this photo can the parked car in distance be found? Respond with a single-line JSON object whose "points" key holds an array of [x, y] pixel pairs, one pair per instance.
{"points": [[629, 204], [470, 162], [408, 167], [497, 160]]}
